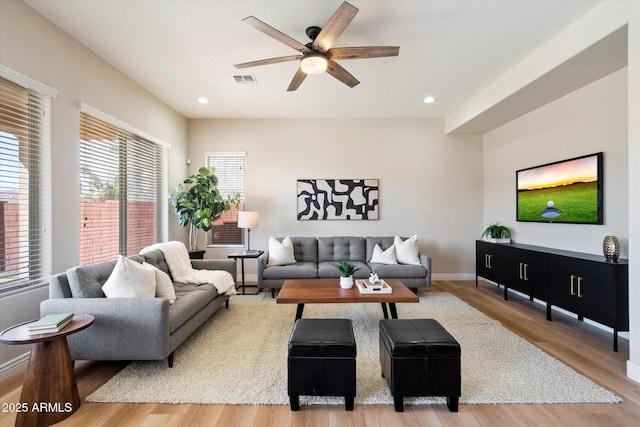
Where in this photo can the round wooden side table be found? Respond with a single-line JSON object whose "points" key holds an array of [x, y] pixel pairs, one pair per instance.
{"points": [[50, 392]]}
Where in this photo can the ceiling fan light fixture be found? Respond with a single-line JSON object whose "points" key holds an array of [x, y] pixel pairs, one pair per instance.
{"points": [[314, 63]]}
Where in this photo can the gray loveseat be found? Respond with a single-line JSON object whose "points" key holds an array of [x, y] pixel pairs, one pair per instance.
{"points": [[317, 256], [133, 328]]}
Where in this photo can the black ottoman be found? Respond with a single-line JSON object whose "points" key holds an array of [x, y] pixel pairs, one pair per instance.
{"points": [[420, 358], [322, 360]]}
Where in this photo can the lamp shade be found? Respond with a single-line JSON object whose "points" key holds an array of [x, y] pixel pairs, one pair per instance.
{"points": [[248, 219]]}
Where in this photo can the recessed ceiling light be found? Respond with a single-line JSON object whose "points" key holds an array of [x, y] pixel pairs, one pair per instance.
{"points": [[203, 100], [429, 100]]}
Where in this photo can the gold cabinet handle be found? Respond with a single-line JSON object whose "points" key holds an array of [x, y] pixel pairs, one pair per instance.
{"points": [[573, 292], [520, 271], [489, 258], [486, 260], [579, 287], [525, 272]]}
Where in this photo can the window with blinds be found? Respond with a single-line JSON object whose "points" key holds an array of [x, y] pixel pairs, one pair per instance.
{"points": [[25, 187], [122, 191], [230, 172]]}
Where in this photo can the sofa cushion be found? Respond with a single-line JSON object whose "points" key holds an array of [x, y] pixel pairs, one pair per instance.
{"points": [[129, 279], [407, 251], [328, 269], [399, 271], [305, 249], [156, 258], [185, 288], [187, 305], [281, 252], [341, 248], [300, 270], [384, 242], [85, 281], [384, 257]]}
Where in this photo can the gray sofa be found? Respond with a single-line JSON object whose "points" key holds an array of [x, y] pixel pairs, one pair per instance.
{"points": [[133, 328], [317, 256]]}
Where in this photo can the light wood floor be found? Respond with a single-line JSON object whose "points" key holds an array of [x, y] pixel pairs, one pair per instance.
{"points": [[585, 348]]}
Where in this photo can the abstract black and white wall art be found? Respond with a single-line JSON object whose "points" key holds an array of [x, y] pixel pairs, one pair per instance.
{"points": [[350, 199]]}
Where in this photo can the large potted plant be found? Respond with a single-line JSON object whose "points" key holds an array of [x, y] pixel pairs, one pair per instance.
{"points": [[201, 204], [497, 233]]}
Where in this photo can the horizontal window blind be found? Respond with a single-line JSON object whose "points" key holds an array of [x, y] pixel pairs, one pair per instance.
{"points": [[230, 170], [25, 187], [122, 191]]}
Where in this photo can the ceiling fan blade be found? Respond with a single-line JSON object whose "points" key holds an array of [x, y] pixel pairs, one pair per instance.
{"points": [[341, 74], [272, 32], [268, 61], [298, 78], [334, 27], [363, 52]]}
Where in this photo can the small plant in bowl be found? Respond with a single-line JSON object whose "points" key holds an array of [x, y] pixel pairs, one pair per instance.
{"points": [[346, 270], [497, 233]]}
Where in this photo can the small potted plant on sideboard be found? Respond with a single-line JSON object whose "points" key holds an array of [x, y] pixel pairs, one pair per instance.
{"points": [[497, 233]]}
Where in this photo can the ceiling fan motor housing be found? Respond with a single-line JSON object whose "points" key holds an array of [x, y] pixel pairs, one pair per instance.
{"points": [[312, 32]]}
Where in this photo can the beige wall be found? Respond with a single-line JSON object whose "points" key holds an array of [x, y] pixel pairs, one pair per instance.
{"points": [[430, 183], [34, 47], [589, 120]]}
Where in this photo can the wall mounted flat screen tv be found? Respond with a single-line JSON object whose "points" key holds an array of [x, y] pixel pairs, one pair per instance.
{"points": [[568, 191]]}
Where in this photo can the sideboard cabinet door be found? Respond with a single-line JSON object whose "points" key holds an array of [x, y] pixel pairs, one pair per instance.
{"points": [[590, 286], [526, 271], [490, 261], [563, 283]]}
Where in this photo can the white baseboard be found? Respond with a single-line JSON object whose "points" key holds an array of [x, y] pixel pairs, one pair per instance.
{"points": [[633, 371], [14, 365]]}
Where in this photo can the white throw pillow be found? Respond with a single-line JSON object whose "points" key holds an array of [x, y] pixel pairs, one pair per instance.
{"points": [[129, 279], [384, 257], [407, 252], [280, 253], [164, 285]]}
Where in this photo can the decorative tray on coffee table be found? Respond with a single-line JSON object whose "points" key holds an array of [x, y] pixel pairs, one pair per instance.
{"points": [[377, 287]]}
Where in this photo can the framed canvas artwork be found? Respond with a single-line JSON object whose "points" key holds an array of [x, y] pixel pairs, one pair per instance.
{"points": [[346, 199]]}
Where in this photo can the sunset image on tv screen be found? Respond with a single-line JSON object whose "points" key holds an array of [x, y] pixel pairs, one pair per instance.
{"points": [[566, 191]]}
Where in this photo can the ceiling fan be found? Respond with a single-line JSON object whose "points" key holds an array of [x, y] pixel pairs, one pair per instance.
{"points": [[318, 55]]}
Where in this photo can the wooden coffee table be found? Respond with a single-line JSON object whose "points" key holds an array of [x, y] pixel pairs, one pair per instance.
{"points": [[328, 291]]}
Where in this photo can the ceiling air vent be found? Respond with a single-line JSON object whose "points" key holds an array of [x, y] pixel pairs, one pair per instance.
{"points": [[248, 79]]}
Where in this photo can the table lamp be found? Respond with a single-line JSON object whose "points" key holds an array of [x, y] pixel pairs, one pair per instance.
{"points": [[248, 220]]}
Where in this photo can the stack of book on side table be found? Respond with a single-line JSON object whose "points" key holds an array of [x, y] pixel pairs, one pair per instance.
{"points": [[50, 323]]}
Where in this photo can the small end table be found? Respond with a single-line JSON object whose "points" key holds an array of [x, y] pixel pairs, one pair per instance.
{"points": [[50, 383], [242, 255]]}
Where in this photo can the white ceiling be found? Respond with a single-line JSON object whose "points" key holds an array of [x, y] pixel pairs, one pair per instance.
{"points": [[182, 50]]}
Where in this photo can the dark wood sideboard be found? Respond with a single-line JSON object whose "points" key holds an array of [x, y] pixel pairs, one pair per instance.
{"points": [[584, 284]]}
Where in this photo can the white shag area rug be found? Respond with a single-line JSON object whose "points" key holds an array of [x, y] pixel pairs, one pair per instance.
{"points": [[239, 356]]}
